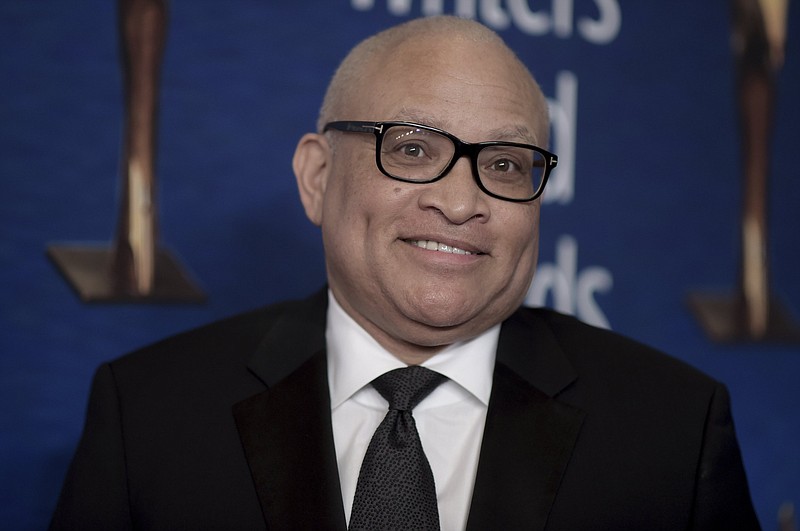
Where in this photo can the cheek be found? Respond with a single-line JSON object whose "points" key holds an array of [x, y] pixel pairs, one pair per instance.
{"points": [[523, 263], [339, 217], [354, 212], [522, 229]]}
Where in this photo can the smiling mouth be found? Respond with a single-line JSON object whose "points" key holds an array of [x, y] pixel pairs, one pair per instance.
{"points": [[441, 247]]}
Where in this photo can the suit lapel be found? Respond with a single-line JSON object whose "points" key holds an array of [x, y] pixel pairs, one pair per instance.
{"points": [[288, 441], [286, 430], [529, 436]]}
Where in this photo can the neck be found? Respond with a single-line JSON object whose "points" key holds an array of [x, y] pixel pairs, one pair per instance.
{"points": [[414, 355], [409, 352], [411, 343]]}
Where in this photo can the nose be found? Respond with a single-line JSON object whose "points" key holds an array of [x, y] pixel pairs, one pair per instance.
{"points": [[457, 196]]}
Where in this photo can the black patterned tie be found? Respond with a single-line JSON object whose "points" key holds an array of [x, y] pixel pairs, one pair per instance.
{"points": [[395, 487]]}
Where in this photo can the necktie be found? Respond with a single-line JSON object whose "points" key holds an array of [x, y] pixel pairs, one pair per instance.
{"points": [[395, 488]]}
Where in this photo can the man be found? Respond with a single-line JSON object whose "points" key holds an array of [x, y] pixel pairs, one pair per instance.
{"points": [[425, 177]]}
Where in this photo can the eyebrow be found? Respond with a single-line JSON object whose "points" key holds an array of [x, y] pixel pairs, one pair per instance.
{"points": [[513, 133], [517, 132]]}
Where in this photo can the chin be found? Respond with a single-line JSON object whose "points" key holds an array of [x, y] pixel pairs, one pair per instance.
{"points": [[435, 337], [445, 319]]}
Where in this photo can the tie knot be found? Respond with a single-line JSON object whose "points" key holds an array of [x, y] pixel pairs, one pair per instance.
{"points": [[405, 388]]}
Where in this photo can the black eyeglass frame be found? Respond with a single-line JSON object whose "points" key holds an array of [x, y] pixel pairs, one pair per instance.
{"points": [[461, 149]]}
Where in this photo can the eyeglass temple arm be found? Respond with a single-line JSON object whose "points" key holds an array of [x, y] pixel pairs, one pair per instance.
{"points": [[354, 127]]}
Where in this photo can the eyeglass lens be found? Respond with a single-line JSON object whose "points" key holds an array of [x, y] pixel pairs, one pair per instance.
{"points": [[417, 154]]}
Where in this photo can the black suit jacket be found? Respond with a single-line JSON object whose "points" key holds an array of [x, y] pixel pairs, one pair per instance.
{"points": [[228, 427]]}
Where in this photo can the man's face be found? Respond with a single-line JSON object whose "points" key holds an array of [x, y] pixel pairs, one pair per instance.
{"points": [[404, 295]]}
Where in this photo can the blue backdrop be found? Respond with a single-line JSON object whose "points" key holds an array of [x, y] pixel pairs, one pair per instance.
{"points": [[643, 208]]}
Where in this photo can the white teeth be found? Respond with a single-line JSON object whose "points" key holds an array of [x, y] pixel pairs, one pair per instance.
{"points": [[436, 246]]}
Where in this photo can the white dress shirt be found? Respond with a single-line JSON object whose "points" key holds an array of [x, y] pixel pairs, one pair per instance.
{"points": [[450, 420]]}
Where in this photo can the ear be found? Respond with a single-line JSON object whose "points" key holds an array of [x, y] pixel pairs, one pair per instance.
{"points": [[312, 164]]}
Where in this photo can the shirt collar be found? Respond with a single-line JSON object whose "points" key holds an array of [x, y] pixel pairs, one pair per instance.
{"points": [[355, 358]]}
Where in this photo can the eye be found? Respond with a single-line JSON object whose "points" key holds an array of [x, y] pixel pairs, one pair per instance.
{"points": [[504, 166], [412, 150]]}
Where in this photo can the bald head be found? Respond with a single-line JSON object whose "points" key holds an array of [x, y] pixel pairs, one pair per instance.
{"points": [[366, 61]]}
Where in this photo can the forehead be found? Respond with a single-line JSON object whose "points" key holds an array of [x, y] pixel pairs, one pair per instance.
{"points": [[472, 89]]}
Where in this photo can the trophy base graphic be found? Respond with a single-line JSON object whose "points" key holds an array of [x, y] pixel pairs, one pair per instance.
{"points": [[89, 269], [723, 317]]}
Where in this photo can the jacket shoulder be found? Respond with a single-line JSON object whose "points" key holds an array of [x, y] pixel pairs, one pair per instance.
{"points": [[601, 353], [233, 340]]}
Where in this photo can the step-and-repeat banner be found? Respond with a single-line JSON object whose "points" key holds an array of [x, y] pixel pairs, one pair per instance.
{"points": [[661, 221]]}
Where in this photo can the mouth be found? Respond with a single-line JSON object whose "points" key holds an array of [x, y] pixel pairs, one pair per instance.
{"points": [[432, 245]]}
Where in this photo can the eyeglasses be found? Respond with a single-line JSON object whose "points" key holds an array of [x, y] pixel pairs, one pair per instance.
{"points": [[416, 153]]}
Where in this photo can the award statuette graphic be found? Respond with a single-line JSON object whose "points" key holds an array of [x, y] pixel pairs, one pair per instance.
{"points": [[752, 313], [134, 268]]}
